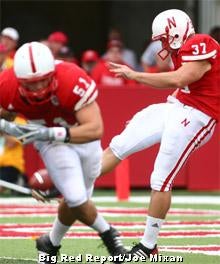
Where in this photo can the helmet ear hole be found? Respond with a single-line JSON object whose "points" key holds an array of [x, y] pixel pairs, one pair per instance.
{"points": [[176, 36]]}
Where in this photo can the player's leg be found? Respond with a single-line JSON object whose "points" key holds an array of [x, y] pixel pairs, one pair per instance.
{"points": [[91, 164], [185, 130], [109, 161], [67, 175], [143, 130], [64, 167]]}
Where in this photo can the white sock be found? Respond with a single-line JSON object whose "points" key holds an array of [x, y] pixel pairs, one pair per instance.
{"points": [[58, 232], [100, 224], [151, 232]]}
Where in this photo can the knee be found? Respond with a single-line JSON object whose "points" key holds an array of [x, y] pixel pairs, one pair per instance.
{"points": [[159, 183], [75, 200], [109, 161], [118, 147]]}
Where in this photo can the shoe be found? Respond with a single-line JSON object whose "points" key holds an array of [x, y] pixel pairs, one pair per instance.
{"points": [[113, 243], [47, 253], [143, 252]]}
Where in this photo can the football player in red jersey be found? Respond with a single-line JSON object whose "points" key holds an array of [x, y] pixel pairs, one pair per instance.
{"points": [[58, 99], [182, 124]]}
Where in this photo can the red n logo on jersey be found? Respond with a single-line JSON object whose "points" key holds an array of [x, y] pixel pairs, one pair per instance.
{"points": [[185, 122], [171, 22]]}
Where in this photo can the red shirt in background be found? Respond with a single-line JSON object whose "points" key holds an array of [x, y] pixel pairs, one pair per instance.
{"points": [[102, 76]]}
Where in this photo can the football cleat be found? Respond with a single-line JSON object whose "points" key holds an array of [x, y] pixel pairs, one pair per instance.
{"points": [[113, 243], [139, 250], [47, 252]]}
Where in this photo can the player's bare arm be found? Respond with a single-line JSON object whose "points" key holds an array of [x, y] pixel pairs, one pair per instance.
{"points": [[89, 128], [188, 73], [90, 124]]}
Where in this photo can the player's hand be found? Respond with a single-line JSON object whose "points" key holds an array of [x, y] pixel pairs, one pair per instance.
{"points": [[121, 70], [42, 133], [12, 129], [45, 196]]}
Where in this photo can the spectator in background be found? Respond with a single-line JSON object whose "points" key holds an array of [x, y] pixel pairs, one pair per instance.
{"points": [[101, 74], [11, 158], [66, 54], [3, 56], [128, 55], [44, 41], [56, 41], [215, 33], [160, 65], [150, 60], [9, 38], [89, 59]]}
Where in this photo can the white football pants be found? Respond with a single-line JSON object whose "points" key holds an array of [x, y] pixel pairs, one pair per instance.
{"points": [[73, 168], [179, 128]]}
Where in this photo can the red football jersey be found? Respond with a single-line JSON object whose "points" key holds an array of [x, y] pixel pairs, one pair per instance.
{"points": [[102, 76], [203, 94], [75, 90]]}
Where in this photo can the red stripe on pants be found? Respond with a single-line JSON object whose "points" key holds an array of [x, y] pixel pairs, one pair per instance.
{"points": [[186, 150]]}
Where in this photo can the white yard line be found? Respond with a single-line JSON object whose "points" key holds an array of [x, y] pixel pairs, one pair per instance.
{"points": [[112, 215], [167, 228], [178, 199], [42, 210], [127, 237], [182, 249], [11, 258]]}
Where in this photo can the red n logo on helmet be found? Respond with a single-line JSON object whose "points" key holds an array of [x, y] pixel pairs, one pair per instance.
{"points": [[171, 22]]}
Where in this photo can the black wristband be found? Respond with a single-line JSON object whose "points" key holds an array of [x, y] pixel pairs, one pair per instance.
{"points": [[67, 139]]}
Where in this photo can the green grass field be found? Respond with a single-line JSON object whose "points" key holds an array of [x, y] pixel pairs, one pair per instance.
{"points": [[192, 229]]}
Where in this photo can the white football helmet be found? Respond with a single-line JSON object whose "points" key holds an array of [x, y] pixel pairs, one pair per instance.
{"points": [[173, 27], [34, 62]]}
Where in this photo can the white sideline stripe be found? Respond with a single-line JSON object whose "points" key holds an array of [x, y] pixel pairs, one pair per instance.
{"points": [[112, 215], [188, 250], [167, 228], [11, 258], [127, 237], [50, 209], [163, 248], [83, 229], [210, 253], [178, 199]]}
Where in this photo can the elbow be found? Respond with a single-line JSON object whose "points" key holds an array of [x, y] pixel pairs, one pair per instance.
{"points": [[98, 132], [180, 80], [177, 82]]}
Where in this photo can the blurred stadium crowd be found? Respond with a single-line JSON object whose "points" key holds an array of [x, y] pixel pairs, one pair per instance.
{"points": [[91, 60]]}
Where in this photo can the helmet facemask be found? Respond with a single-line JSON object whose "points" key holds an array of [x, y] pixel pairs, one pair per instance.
{"points": [[34, 90], [164, 52]]}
